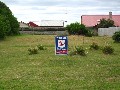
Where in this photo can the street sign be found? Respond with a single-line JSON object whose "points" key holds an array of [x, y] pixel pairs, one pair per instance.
{"points": [[61, 45]]}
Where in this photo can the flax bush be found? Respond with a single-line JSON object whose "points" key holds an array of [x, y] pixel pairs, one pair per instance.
{"points": [[41, 47], [94, 46], [80, 50], [108, 50], [33, 50]]}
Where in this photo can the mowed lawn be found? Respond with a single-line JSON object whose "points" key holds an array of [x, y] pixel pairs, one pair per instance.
{"points": [[47, 71]]}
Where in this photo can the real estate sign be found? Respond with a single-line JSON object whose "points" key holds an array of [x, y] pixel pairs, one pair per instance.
{"points": [[61, 45]]}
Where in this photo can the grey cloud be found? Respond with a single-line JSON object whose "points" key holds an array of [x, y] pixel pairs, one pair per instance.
{"points": [[65, 3]]}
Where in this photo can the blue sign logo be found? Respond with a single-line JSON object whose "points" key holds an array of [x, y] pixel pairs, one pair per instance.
{"points": [[61, 45]]}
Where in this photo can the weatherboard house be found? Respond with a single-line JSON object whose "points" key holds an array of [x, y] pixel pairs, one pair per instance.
{"points": [[93, 20]]}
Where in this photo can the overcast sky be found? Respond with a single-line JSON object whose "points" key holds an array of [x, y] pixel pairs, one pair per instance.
{"points": [[67, 10]]}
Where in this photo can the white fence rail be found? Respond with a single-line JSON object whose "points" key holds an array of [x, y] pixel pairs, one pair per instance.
{"points": [[108, 31]]}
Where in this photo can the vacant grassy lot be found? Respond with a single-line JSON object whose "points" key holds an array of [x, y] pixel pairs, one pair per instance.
{"points": [[46, 71]]}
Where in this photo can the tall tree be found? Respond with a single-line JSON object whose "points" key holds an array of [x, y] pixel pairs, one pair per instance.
{"points": [[8, 23], [14, 26], [4, 27]]}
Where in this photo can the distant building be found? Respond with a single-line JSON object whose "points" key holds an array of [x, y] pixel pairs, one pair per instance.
{"points": [[92, 20], [52, 23], [23, 25]]}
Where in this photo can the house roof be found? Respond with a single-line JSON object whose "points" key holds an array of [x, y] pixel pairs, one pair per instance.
{"points": [[32, 24], [52, 23], [92, 20]]}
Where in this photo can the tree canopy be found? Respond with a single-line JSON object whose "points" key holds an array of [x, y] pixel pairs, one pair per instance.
{"points": [[105, 23], [76, 28], [8, 23]]}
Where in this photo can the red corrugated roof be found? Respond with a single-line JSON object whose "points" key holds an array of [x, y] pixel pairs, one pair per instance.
{"points": [[92, 20]]}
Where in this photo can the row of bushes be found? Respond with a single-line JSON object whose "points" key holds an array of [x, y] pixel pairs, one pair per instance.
{"points": [[106, 49], [80, 50]]}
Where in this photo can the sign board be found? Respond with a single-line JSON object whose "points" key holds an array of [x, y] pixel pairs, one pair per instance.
{"points": [[61, 45]]}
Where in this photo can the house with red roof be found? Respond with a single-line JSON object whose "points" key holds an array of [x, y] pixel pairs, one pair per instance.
{"points": [[93, 20]]}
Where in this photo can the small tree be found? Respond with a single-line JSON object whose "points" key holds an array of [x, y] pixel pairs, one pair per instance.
{"points": [[73, 28], [105, 23], [76, 28]]}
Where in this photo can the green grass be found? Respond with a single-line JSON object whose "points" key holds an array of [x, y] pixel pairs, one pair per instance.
{"points": [[47, 71]]}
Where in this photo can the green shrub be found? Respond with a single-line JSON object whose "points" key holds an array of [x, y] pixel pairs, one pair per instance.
{"points": [[108, 50], [41, 47], [76, 28], [89, 33], [80, 50], [116, 37], [94, 46], [33, 50]]}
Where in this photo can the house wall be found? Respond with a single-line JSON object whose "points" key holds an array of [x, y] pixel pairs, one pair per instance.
{"points": [[108, 31], [23, 25]]}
